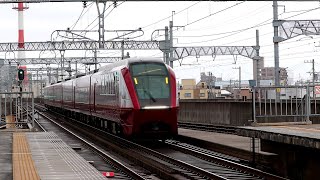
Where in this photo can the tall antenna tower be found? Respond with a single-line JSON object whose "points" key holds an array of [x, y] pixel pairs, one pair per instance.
{"points": [[20, 9]]}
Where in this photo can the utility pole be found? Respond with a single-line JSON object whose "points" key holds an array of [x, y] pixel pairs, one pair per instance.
{"points": [[122, 49], [95, 59], [258, 60], [49, 74], [76, 70], [62, 63], [41, 86], [210, 85], [171, 44], [37, 82], [167, 46], [239, 80], [313, 75], [276, 43]]}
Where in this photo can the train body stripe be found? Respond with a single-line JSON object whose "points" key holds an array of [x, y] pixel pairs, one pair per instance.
{"points": [[173, 88], [128, 80]]}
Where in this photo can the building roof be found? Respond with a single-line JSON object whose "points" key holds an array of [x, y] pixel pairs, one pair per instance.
{"points": [[225, 92]]}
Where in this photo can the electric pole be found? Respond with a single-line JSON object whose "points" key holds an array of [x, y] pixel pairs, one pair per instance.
{"points": [[313, 75], [210, 85], [239, 80], [171, 44], [167, 46], [276, 41], [258, 60]]}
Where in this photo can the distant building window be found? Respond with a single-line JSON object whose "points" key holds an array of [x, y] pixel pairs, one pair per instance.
{"points": [[187, 94], [202, 95]]}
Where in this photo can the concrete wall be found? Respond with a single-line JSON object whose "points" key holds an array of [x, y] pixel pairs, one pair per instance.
{"points": [[215, 111], [230, 112]]}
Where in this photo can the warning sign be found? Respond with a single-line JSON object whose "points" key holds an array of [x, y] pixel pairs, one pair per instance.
{"points": [[317, 89], [278, 90]]}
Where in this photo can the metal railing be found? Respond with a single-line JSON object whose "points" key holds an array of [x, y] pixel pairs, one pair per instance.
{"points": [[15, 111], [284, 104]]}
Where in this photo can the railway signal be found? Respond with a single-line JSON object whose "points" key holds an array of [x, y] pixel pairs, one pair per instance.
{"points": [[20, 74]]}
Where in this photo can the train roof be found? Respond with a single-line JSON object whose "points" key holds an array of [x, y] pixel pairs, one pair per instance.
{"points": [[127, 61], [123, 62]]}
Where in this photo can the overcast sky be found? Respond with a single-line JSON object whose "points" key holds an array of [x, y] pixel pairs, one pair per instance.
{"points": [[201, 29]]}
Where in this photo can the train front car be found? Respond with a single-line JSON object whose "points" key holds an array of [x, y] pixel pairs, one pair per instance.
{"points": [[152, 88]]}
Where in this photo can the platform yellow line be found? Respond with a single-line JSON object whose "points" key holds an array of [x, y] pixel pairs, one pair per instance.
{"points": [[23, 165]]}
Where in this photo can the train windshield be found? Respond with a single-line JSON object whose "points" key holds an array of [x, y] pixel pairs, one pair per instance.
{"points": [[151, 82]]}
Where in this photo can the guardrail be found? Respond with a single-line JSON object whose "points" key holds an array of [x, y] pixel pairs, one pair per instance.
{"points": [[284, 104], [15, 110]]}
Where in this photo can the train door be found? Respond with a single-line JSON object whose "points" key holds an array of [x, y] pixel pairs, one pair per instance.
{"points": [[116, 88]]}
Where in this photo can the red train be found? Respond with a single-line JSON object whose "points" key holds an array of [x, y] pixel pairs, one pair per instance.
{"points": [[136, 97]]}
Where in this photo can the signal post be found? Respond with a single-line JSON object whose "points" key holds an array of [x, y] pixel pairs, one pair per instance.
{"points": [[19, 102]]}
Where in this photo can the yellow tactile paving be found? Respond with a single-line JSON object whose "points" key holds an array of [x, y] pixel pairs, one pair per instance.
{"points": [[10, 119], [23, 165]]}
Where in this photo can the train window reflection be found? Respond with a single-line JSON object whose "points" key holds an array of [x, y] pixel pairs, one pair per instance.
{"points": [[151, 81], [148, 69]]}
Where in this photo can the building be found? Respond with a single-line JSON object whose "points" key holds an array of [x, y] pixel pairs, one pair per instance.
{"points": [[259, 63], [190, 90], [202, 90], [209, 79], [186, 89], [267, 73], [8, 75]]}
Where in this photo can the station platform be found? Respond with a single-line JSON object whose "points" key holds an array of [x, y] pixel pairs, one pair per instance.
{"points": [[238, 146], [299, 135], [289, 150], [41, 155]]}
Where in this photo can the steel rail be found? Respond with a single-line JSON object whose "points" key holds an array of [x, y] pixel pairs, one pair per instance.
{"points": [[246, 170], [140, 153], [116, 163]]}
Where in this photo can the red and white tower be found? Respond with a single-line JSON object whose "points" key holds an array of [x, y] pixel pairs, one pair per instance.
{"points": [[20, 8], [21, 52]]}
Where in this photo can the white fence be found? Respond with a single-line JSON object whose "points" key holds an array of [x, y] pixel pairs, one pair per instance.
{"points": [[284, 104]]}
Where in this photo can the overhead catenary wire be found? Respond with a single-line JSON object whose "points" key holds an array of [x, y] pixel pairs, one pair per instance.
{"points": [[85, 30], [81, 15], [170, 15], [108, 13], [245, 29]]}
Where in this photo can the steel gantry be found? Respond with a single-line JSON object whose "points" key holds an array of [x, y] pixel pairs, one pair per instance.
{"points": [[57, 60], [246, 51], [292, 28], [287, 29], [81, 45]]}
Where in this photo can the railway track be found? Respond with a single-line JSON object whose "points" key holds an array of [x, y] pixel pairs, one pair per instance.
{"points": [[164, 166], [224, 165], [122, 171], [208, 166]]}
